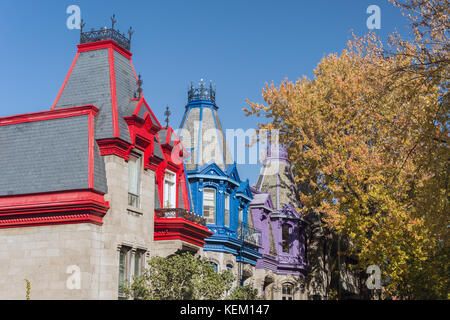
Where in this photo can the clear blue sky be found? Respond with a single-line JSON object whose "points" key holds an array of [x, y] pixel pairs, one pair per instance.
{"points": [[239, 45]]}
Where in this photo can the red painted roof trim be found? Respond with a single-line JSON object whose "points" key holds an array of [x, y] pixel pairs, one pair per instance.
{"points": [[49, 115], [65, 81], [97, 45], [63, 207], [112, 78], [180, 229]]}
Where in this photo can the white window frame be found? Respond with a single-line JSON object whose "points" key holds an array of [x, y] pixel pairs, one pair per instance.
{"points": [[134, 189], [170, 189], [210, 214], [227, 210]]}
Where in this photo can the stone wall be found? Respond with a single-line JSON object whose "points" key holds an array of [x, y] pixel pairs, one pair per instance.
{"points": [[43, 254]]}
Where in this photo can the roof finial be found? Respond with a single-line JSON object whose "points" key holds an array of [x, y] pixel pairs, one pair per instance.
{"points": [[167, 114], [82, 24], [113, 21], [139, 84], [201, 86], [130, 32]]}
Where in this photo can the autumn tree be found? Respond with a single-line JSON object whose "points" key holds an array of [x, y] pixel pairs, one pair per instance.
{"points": [[368, 141]]}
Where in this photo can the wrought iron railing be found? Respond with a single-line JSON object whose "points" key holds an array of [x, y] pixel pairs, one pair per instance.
{"points": [[289, 259], [203, 92], [105, 34], [249, 234], [180, 213]]}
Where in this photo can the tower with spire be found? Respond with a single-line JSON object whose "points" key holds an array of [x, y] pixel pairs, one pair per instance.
{"points": [[275, 209], [218, 193]]}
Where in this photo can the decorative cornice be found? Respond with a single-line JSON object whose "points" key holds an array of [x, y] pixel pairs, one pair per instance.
{"points": [[79, 206], [180, 229], [114, 146]]}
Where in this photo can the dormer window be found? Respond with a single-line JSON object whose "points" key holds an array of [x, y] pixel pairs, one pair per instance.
{"points": [[134, 180], [169, 190], [209, 205]]}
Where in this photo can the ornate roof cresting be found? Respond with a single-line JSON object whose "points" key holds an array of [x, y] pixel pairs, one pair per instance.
{"points": [[106, 34], [202, 92]]}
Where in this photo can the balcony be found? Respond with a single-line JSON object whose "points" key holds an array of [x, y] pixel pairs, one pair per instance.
{"points": [[249, 234], [180, 224], [171, 213]]}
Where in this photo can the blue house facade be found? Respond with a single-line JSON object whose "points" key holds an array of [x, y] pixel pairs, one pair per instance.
{"points": [[216, 189]]}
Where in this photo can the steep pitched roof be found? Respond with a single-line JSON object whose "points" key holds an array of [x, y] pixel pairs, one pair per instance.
{"points": [[276, 178], [103, 76], [202, 135]]}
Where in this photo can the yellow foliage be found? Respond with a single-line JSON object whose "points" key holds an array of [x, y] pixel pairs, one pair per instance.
{"points": [[369, 136]]}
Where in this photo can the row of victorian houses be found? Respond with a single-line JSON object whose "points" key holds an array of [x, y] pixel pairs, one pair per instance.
{"points": [[96, 186]]}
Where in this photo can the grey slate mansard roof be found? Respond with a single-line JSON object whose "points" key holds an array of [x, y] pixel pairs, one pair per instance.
{"points": [[201, 122], [47, 156], [89, 83]]}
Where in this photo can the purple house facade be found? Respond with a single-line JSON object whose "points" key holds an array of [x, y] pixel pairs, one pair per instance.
{"points": [[281, 269]]}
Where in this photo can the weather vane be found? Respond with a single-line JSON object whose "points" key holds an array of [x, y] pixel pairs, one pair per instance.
{"points": [[167, 114]]}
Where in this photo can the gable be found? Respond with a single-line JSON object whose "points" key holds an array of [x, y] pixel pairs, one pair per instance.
{"points": [[232, 172], [212, 169]]}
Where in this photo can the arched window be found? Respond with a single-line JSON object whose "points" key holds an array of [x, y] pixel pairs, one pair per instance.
{"points": [[229, 266], [209, 205], [287, 292], [214, 265]]}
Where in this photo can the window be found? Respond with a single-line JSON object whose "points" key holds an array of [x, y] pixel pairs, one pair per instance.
{"points": [[138, 263], [169, 190], [229, 266], [227, 210], [124, 268], [285, 239], [214, 265], [134, 172], [209, 205], [242, 215], [287, 292]]}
